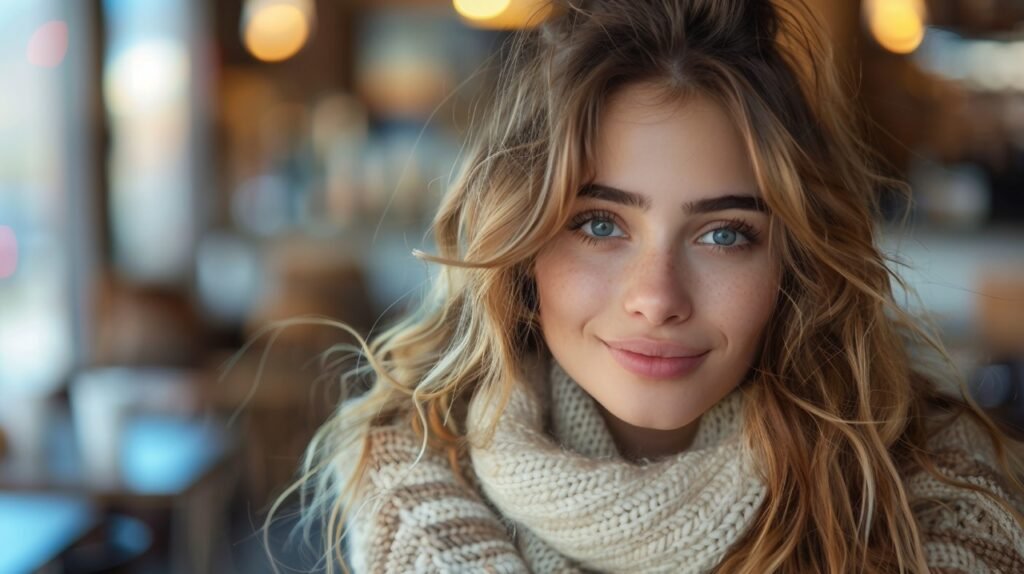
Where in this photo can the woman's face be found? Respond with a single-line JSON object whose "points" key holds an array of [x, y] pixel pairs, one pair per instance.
{"points": [[655, 296]]}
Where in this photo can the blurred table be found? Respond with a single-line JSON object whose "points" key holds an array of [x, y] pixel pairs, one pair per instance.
{"points": [[180, 464], [43, 526]]}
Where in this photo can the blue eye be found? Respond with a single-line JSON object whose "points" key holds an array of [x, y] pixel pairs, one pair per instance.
{"points": [[724, 237], [597, 225], [601, 227]]}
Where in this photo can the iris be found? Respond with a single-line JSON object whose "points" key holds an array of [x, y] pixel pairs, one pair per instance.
{"points": [[724, 236], [602, 227]]}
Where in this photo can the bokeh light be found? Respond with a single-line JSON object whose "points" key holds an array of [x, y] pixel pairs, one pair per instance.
{"points": [[897, 25], [8, 252], [274, 31], [982, 65], [48, 44], [481, 9], [504, 14], [145, 77]]}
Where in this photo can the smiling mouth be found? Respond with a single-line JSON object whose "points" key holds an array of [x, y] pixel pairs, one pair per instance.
{"points": [[656, 359]]}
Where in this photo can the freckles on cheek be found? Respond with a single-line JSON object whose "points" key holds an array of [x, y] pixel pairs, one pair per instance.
{"points": [[754, 295], [570, 288], [740, 298]]}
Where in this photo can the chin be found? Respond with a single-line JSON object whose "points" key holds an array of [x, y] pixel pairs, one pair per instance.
{"points": [[641, 416]]}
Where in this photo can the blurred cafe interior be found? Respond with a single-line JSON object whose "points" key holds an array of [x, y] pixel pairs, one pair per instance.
{"points": [[176, 176]]}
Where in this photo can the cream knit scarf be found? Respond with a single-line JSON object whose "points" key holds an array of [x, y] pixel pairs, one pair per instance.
{"points": [[572, 495], [551, 494]]}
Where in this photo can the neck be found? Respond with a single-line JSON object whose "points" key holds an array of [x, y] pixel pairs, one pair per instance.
{"points": [[635, 443]]}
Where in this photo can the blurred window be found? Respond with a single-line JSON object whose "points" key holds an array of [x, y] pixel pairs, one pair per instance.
{"points": [[36, 316], [149, 78]]}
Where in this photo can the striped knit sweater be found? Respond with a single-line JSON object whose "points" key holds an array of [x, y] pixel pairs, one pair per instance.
{"points": [[550, 494]]}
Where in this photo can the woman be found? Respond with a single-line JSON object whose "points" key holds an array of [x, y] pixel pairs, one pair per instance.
{"points": [[663, 338]]}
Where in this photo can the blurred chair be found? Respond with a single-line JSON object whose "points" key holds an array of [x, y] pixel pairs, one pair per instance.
{"points": [[275, 390], [145, 325], [277, 410], [309, 277]]}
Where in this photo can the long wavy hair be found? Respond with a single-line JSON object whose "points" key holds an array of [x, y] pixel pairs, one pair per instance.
{"points": [[838, 412]]}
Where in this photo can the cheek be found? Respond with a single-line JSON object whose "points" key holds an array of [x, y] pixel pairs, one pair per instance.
{"points": [[571, 288], [740, 299]]}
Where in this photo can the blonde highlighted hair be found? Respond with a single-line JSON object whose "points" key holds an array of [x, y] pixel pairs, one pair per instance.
{"points": [[838, 412]]}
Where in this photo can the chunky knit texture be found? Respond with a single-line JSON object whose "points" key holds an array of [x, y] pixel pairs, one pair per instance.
{"points": [[550, 493]]}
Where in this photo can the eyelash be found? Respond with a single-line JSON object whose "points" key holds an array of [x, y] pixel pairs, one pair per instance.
{"points": [[738, 225]]}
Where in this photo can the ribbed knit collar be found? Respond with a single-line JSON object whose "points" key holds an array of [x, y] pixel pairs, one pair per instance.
{"points": [[570, 491]]}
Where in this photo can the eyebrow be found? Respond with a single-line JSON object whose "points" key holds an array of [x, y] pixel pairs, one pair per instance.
{"points": [[700, 206]]}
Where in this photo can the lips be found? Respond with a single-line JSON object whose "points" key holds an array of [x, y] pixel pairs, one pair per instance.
{"points": [[656, 359], [655, 348]]}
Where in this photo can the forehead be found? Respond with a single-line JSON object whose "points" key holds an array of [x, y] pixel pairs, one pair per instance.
{"points": [[681, 148]]}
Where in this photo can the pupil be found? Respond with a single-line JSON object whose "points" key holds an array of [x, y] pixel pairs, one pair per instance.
{"points": [[601, 227], [724, 236]]}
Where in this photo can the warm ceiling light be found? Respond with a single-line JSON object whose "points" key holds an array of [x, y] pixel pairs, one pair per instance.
{"points": [[897, 25], [514, 14], [275, 30], [481, 9]]}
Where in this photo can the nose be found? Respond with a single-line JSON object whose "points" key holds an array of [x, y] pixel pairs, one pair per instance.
{"points": [[656, 289]]}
